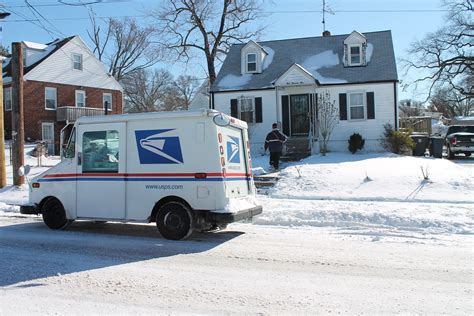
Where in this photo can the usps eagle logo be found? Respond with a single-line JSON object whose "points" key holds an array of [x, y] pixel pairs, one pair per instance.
{"points": [[159, 146], [233, 150]]}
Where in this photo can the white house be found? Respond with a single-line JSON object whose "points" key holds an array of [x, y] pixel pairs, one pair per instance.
{"points": [[279, 81]]}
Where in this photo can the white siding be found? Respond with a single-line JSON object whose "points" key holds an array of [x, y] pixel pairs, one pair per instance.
{"points": [[258, 131], [58, 68], [371, 130]]}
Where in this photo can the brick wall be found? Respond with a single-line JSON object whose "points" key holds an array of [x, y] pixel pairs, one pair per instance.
{"points": [[35, 112]]}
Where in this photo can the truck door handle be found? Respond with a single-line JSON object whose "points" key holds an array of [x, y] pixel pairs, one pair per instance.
{"points": [[79, 159]]}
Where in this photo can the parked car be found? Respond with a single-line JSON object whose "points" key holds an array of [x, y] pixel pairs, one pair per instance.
{"points": [[459, 140]]}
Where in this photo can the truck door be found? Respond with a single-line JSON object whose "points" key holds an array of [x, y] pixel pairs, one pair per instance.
{"points": [[236, 162], [101, 171]]}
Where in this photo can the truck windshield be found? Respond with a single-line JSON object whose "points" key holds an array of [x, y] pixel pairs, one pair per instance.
{"points": [[70, 150], [461, 129]]}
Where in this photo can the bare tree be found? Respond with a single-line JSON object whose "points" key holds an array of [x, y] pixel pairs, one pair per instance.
{"points": [[328, 117], [410, 108], [4, 51], [187, 87], [210, 27], [124, 45], [446, 57], [145, 89], [451, 103], [172, 99]]}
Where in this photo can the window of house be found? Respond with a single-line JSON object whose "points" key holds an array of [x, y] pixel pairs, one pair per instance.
{"points": [[7, 99], [246, 109], [77, 61], [107, 101], [50, 98], [356, 106], [80, 98], [251, 62], [100, 151], [355, 55]]}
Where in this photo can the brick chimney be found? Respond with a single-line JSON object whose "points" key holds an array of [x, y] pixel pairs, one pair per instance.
{"points": [[326, 34]]}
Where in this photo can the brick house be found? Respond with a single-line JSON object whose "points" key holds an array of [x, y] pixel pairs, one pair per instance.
{"points": [[63, 80]]}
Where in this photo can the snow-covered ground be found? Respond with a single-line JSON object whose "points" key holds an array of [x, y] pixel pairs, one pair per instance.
{"points": [[348, 234], [383, 191]]}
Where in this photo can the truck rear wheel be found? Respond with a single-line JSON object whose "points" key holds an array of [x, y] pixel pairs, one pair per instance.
{"points": [[54, 215], [174, 221]]}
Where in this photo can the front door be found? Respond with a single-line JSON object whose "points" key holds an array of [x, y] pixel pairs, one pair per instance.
{"points": [[101, 171], [47, 134], [299, 115]]}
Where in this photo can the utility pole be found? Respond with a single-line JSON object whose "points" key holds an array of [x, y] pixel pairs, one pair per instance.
{"points": [[18, 135], [3, 171]]}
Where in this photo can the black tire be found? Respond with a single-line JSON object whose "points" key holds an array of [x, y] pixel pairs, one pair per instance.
{"points": [[174, 221], [467, 154], [449, 152], [54, 215]]}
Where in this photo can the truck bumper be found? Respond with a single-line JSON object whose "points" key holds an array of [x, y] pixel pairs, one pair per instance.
{"points": [[29, 209], [225, 218], [462, 149]]}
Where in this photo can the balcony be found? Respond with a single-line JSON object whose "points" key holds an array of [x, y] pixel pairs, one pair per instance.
{"points": [[72, 113]]}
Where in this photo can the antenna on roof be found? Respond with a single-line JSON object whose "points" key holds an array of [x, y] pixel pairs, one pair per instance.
{"points": [[326, 9]]}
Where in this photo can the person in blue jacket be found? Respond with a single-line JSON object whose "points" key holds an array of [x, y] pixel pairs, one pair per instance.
{"points": [[274, 143]]}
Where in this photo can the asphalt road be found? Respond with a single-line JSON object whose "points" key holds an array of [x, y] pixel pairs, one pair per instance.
{"points": [[118, 268]]}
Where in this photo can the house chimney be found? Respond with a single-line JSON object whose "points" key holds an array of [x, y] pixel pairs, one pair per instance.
{"points": [[326, 33]]}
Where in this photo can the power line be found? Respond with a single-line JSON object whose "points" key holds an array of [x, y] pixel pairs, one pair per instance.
{"points": [[77, 4], [268, 12]]}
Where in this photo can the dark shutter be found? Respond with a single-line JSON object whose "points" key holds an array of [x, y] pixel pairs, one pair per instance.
{"points": [[258, 110], [234, 112], [342, 106], [285, 109], [370, 106]]}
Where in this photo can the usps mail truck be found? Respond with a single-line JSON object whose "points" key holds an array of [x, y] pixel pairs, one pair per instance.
{"points": [[182, 170]]}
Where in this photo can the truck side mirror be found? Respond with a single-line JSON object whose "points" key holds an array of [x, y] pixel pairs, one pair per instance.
{"points": [[24, 170]]}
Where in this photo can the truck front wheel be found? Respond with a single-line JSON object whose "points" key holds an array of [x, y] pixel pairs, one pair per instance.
{"points": [[174, 221], [54, 215]]}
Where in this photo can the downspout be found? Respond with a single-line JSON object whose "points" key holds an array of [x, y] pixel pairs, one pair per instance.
{"points": [[277, 107], [395, 104]]}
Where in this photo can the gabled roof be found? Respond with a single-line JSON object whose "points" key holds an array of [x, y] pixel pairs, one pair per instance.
{"points": [[46, 49], [321, 56]]}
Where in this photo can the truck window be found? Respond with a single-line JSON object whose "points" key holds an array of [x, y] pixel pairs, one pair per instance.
{"points": [[100, 151], [70, 150]]}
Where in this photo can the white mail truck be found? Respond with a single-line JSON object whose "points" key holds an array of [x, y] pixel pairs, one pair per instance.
{"points": [[182, 170]]}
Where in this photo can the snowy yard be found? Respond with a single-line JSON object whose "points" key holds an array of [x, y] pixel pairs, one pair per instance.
{"points": [[344, 233]]}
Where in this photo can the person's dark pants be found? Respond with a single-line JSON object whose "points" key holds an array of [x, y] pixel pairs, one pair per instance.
{"points": [[275, 159]]}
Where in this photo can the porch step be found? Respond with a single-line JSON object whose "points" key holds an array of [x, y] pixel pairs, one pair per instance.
{"points": [[296, 149]]}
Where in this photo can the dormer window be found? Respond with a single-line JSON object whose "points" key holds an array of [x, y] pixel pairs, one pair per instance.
{"points": [[355, 52], [251, 62], [77, 61]]}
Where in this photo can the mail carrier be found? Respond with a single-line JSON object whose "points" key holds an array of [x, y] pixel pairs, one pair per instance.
{"points": [[182, 170]]}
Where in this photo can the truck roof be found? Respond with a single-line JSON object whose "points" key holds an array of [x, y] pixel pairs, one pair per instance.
{"points": [[153, 115]]}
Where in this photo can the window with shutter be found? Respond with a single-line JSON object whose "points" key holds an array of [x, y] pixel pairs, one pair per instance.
{"points": [[342, 107], [258, 110]]}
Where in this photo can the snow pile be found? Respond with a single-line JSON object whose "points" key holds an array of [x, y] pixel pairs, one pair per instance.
{"points": [[376, 177], [325, 59], [369, 51], [371, 191], [233, 81], [269, 58]]}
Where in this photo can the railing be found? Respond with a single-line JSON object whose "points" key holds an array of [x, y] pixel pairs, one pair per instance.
{"points": [[416, 124], [72, 113]]}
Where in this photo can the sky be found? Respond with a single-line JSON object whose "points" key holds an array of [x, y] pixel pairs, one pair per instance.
{"points": [[408, 20]]}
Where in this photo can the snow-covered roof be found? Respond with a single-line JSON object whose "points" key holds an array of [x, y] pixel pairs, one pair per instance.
{"points": [[33, 45], [42, 51], [320, 56]]}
